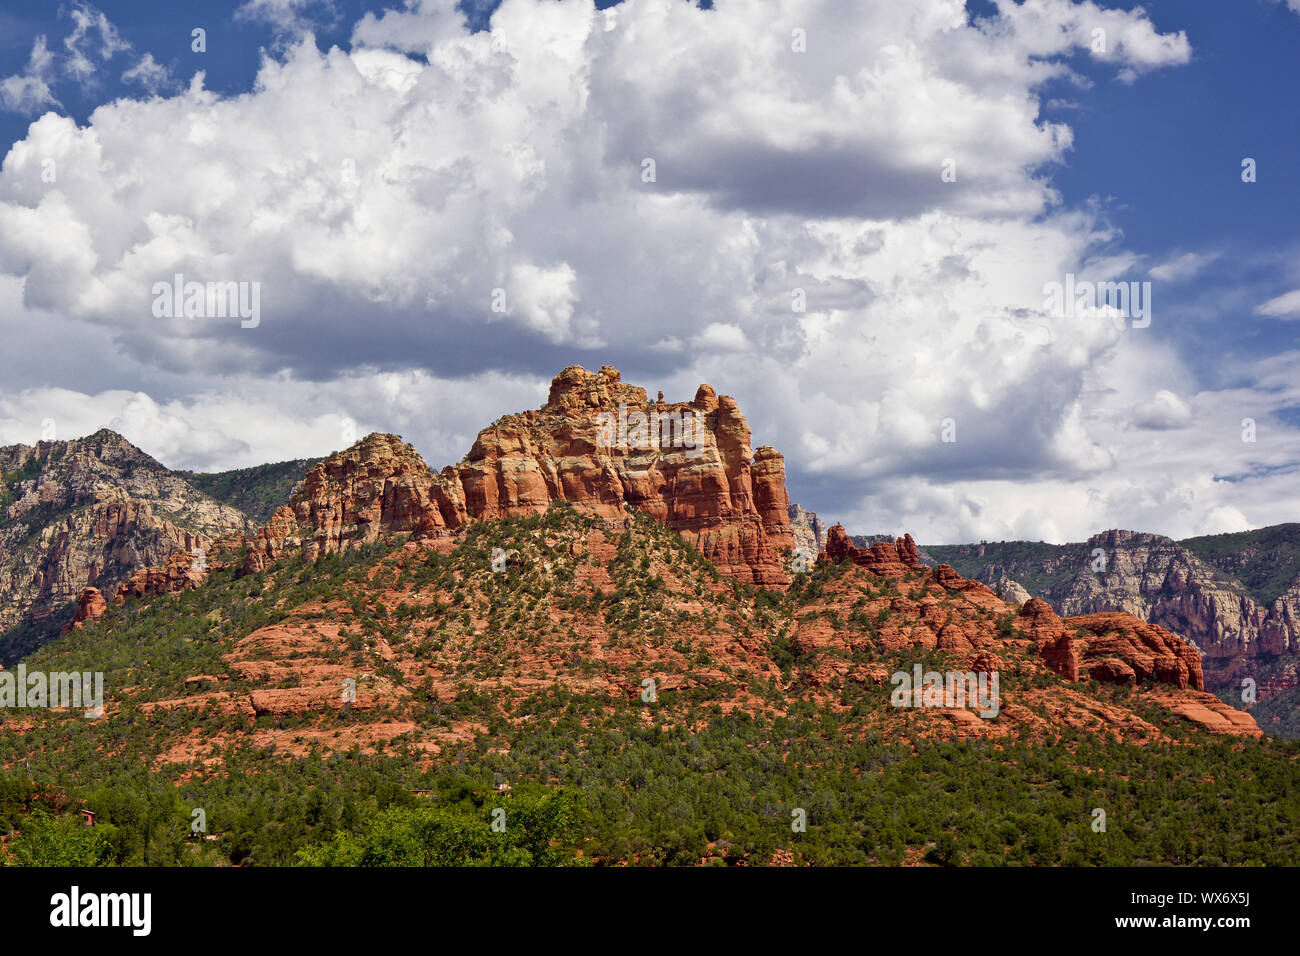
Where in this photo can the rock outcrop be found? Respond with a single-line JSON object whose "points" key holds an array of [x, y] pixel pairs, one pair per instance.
{"points": [[1120, 648], [868, 541], [1114, 648], [180, 572], [597, 444], [90, 606], [603, 446], [1212, 714], [1056, 645], [380, 486], [883, 557], [278, 537]]}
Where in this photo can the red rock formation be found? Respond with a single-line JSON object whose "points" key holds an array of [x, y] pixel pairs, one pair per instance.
{"points": [[1110, 647], [1204, 599], [883, 557], [1144, 651], [379, 486], [90, 605], [178, 574], [601, 445], [271, 542], [907, 551], [1212, 714], [952, 581], [597, 443], [1055, 645], [1114, 648]]}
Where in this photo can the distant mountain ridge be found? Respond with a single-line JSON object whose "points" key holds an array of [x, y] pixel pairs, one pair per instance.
{"points": [[90, 511], [809, 530]]}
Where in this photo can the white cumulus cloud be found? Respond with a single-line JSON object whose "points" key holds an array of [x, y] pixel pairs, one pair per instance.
{"points": [[887, 159]]}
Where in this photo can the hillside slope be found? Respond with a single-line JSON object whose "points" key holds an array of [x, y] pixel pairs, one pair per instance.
{"points": [[1237, 597], [255, 491], [539, 673]]}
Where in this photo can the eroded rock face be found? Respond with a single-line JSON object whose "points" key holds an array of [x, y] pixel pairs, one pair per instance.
{"points": [[598, 444], [1013, 591], [88, 513], [604, 447], [882, 557], [1055, 644], [1147, 650], [278, 537], [379, 486], [1156, 579], [180, 572], [1212, 714]]}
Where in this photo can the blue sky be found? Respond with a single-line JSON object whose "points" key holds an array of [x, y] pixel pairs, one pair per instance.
{"points": [[1169, 151], [517, 164]]}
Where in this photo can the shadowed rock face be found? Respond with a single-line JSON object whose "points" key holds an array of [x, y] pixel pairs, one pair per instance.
{"points": [[598, 444]]}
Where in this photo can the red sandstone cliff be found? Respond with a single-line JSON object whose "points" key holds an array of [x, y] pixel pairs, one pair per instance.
{"points": [[597, 443]]}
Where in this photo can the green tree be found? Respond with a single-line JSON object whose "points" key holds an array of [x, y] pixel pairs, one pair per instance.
{"points": [[47, 840]]}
